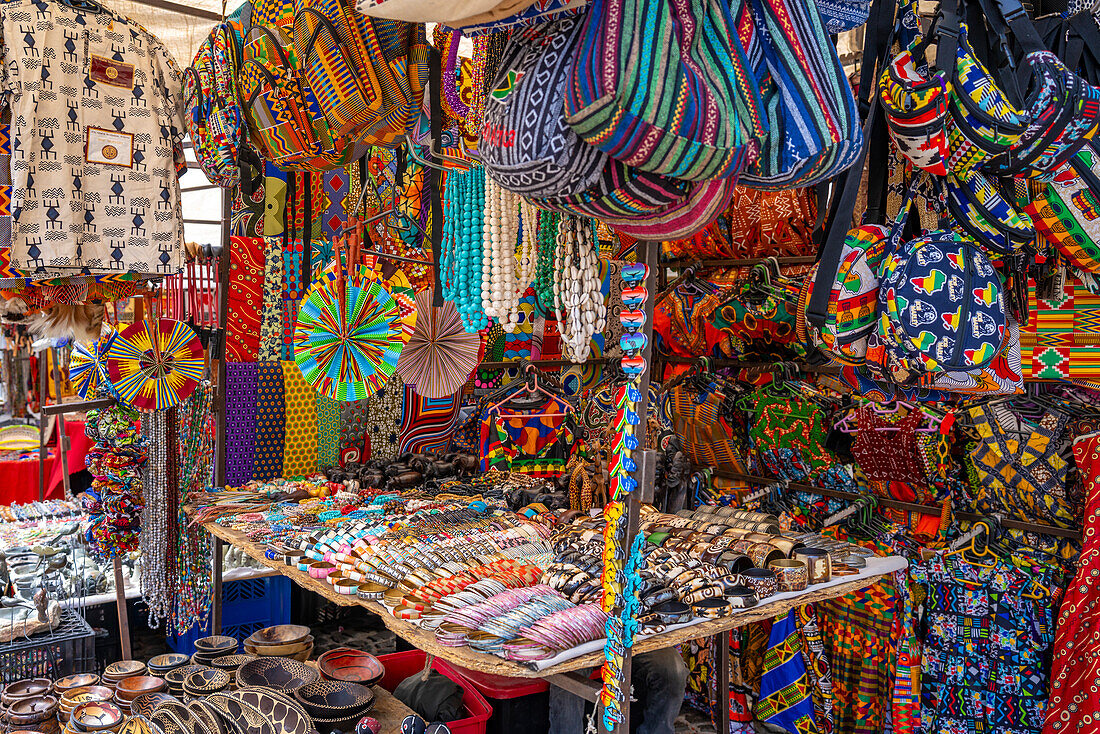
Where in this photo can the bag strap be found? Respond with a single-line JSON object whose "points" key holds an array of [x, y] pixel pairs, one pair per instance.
{"points": [[879, 38]]}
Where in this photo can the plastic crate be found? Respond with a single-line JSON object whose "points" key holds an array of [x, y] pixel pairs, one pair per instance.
{"points": [[247, 605], [520, 705], [400, 665], [68, 649]]}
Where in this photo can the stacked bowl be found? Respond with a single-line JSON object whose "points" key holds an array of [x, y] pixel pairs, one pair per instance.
{"points": [[175, 678], [117, 672], [74, 697], [283, 640], [335, 705], [162, 664], [130, 688], [95, 716], [205, 681], [208, 648]]}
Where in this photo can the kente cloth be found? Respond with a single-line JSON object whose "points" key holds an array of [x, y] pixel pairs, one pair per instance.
{"points": [[707, 435], [336, 186], [300, 442], [240, 421], [980, 628], [1075, 671], [1025, 479], [856, 629], [427, 423], [328, 432], [96, 132], [1061, 340], [318, 201], [353, 424], [245, 303], [267, 461], [786, 696], [384, 419], [538, 442], [271, 312]]}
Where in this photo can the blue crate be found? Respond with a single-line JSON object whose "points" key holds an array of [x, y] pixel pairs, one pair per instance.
{"points": [[247, 605]]}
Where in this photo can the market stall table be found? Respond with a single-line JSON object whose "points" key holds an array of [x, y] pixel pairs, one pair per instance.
{"points": [[485, 663]]}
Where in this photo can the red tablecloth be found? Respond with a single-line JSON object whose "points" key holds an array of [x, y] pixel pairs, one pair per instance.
{"points": [[19, 479]]}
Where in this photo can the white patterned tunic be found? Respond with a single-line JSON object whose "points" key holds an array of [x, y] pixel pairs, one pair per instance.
{"points": [[96, 132]]}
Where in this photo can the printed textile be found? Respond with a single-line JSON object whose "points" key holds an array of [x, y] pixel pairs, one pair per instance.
{"points": [[300, 442], [1075, 672], [240, 422], [246, 282], [786, 698], [267, 460], [427, 423], [983, 667], [538, 442], [96, 133]]}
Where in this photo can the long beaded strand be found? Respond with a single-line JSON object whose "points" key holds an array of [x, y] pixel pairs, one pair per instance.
{"points": [[578, 298], [154, 540]]}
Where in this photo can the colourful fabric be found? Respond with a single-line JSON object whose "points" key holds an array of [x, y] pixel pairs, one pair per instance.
{"points": [[984, 662], [1061, 340], [271, 315], [1075, 672], [1022, 476], [785, 697], [789, 434], [328, 432], [300, 442], [267, 460], [707, 434], [240, 421], [817, 667], [246, 278], [1067, 212], [353, 425], [427, 423], [384, 419], [538, 441], [857, 633]]}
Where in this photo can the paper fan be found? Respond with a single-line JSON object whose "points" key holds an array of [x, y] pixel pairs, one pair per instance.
{"points": [[439, 358], [349, 355], [397, 285], [88, 363], [155, 365]]}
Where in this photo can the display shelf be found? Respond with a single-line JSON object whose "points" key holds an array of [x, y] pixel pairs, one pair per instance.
{"points": [[589, 655]]}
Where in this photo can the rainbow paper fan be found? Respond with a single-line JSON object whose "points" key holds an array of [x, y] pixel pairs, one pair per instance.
{"points": [[155, 365]]}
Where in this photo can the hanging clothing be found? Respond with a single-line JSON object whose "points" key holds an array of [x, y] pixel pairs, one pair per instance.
{"points": [[786, 693], [1075, 672], [537, 441], [1017, 467], [96, 135], [983, 667]]}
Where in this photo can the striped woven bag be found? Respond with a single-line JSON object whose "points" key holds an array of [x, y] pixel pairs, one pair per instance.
{"points": [[664, 86], [811, 112]]}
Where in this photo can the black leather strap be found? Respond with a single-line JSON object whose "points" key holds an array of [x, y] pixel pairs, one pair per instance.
{"points": [[878, 40]]}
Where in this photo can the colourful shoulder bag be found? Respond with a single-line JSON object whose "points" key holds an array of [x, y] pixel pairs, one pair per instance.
{"points": [[664, 86], [214, 116], [1067, 212]]}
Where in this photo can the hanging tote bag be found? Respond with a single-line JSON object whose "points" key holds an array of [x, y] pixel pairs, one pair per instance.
{"points": [[215, 119], [1067, 212], [813, 126], [664, 86], [526, 145]]}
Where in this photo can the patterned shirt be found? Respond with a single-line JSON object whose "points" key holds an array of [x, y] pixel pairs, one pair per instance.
{"points": [[96, 133]]}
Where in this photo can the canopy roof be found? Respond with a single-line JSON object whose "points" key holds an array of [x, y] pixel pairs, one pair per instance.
{"points": [[182, 27]]}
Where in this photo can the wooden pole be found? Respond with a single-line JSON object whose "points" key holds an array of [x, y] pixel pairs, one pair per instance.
{"points": [[219, 411], [123, 615], [62, 431], [42, 396]]}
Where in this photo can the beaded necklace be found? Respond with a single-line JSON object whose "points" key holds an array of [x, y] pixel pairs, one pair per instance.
{"points": [[462, 261], [578, 298]]}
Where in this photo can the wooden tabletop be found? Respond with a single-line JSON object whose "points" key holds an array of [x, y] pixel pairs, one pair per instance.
{"points": [[486, 663]]}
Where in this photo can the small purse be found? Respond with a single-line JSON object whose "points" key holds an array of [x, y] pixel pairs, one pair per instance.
{"points": [[1067, 212], [982, 213]]}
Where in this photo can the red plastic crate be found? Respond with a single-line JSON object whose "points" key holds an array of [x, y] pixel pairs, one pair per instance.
{"points": [[501, 686], [400, 665]]}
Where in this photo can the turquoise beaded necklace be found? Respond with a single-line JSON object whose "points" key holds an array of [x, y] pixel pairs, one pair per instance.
{"points": [[463, 258]]}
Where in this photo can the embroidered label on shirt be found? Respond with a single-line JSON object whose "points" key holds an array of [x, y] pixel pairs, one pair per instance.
{"points": [[109, 147], [115, 73]]}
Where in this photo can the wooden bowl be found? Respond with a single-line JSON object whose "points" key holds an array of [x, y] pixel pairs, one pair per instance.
{"points": [[290, 648], [206, 681], [280, 634], [144, 704], [96, 716], [215, 643], [130, 688], [85, 694], [353, 666], [123, 669], [161, 664], [79, 680], [231, 662], [282, 674], [335, 699], [32, 710], [26, 688]]}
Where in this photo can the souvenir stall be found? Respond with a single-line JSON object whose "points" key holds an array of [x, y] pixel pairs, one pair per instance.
{"points": [[583, 344]]}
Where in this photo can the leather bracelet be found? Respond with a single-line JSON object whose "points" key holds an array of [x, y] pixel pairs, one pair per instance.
{"points": [[406, 613], [711, 608], [660, 596], [370, 592], [739, 597], [672, 612], [707, 592]]}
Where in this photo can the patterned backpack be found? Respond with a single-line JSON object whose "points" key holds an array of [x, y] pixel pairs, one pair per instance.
{"points": [[1067, 213], [664, 86], [214, 116]]}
